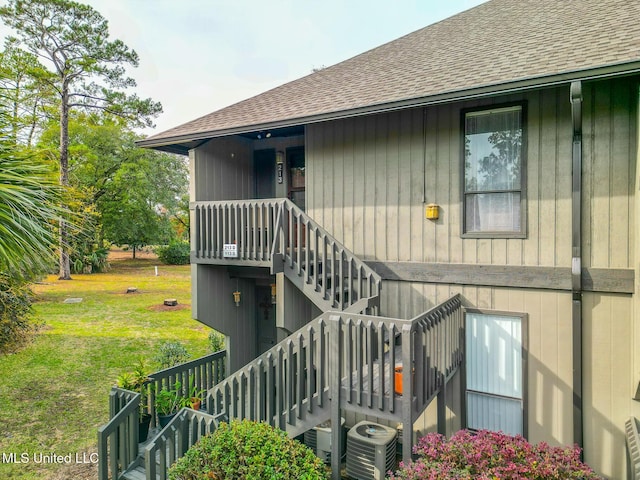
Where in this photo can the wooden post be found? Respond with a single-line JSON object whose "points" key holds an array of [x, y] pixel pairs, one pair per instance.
{"points": [[442, 406], [407, 394], [335, 374]]}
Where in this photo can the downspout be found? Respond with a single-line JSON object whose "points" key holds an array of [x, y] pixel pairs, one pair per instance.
{"points": [[576, 260]]}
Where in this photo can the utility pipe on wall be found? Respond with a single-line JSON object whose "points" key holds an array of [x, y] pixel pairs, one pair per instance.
{"points": [[576, 258]]}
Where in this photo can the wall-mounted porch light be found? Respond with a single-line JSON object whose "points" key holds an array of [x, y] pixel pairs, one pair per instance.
{"points": [[432, 211], [236, 298], [273, 293]]}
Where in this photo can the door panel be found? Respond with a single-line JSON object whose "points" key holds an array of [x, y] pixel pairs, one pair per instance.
{"points": [[264, 165]]}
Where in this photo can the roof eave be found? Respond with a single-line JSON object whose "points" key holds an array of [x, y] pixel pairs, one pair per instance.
{"points": [[181, 143]]}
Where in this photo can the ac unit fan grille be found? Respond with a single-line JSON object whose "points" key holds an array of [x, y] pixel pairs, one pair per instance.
{"points": [[371, 451]]}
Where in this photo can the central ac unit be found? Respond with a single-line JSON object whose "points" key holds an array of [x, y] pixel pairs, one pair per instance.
{"points": [[318, 439], [371, 451]]}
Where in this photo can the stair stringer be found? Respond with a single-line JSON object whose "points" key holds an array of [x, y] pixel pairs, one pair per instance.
{"points": [[307, 289]]}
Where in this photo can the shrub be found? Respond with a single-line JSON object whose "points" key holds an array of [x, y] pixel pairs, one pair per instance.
{"points": [[216, 341], [176, 253], [171, 353], [92, 262], [15, 308], [248, 450], [489, 455]]}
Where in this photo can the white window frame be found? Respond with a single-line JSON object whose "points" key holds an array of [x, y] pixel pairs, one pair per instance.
{"points": [[523, 318], [521, 189]]}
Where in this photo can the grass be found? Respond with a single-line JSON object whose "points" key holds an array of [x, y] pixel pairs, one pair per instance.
{"points": [[54, 392]]}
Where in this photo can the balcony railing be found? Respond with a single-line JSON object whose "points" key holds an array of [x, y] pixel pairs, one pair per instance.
{"points": [[247, 224], [275, 233]]}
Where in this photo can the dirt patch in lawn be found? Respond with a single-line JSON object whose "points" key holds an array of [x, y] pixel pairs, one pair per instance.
{"points": [[166, 308]]}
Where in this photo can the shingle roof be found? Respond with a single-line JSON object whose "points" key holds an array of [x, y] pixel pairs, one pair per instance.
{"points": [[490, 46]]}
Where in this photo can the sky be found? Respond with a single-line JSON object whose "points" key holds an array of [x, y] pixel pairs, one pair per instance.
{"points": [[197, 56]]}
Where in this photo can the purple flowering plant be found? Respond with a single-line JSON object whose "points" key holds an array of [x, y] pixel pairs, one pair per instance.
{"points": [[486, 455]]}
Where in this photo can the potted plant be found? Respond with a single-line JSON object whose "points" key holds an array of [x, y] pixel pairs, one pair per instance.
{"points": [[137, 381], [194, 397], [168, 401]]}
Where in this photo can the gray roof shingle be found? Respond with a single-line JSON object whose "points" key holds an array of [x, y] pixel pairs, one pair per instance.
{"points": [[494, 44]]}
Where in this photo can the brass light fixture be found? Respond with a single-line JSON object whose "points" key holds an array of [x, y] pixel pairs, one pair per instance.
{"points": [[236, 298]]}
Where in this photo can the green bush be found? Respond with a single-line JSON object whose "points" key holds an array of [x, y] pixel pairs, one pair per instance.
{"points": [[91, 262], [176, 253], [216, 341], [251, 451], [170, 354], [15, 308]]}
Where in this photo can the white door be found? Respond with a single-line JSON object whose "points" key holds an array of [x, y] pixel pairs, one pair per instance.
{"points": [[494, 367]]}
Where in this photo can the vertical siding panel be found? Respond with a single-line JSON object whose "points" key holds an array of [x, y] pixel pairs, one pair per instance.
{"points": [[409, 186], [433, 193], [547, 184], [483, 250], [533, 306], [380, 142], [395, 239], [621, 377], [447, 153], [499, 251], [564, 339], [564, 141], [600, 200], [349, 181], [311, 164], [328, 176], [484, 297], [633, 157], [547, 365], [359, 181], [597, 374], [417, 164], [531, 246], [220, 175], [454, 198], [318, 178], [369, 173], [620, 185], [338, 182], [609, 380], [588, 122]]}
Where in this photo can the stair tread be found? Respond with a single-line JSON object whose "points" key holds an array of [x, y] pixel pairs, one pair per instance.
{"points": [[137, 473]]}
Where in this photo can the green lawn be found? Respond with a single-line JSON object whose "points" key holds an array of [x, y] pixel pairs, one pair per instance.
{"points": [[53, 393]]}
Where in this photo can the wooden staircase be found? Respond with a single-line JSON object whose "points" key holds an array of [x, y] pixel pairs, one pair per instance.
{"points": [[275, 233], [345, 360]]}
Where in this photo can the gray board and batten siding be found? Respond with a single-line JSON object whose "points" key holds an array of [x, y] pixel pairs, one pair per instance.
{"points": [[368, 181], [369, 178]]}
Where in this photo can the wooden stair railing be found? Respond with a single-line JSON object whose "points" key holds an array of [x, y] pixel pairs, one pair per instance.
{"points": [[118, 439], [276, 233], [324, 269], [340, 362], [345, 361]]}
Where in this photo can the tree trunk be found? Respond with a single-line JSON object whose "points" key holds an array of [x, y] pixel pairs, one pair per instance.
{"points": [[134, 252], [65, 267]]}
